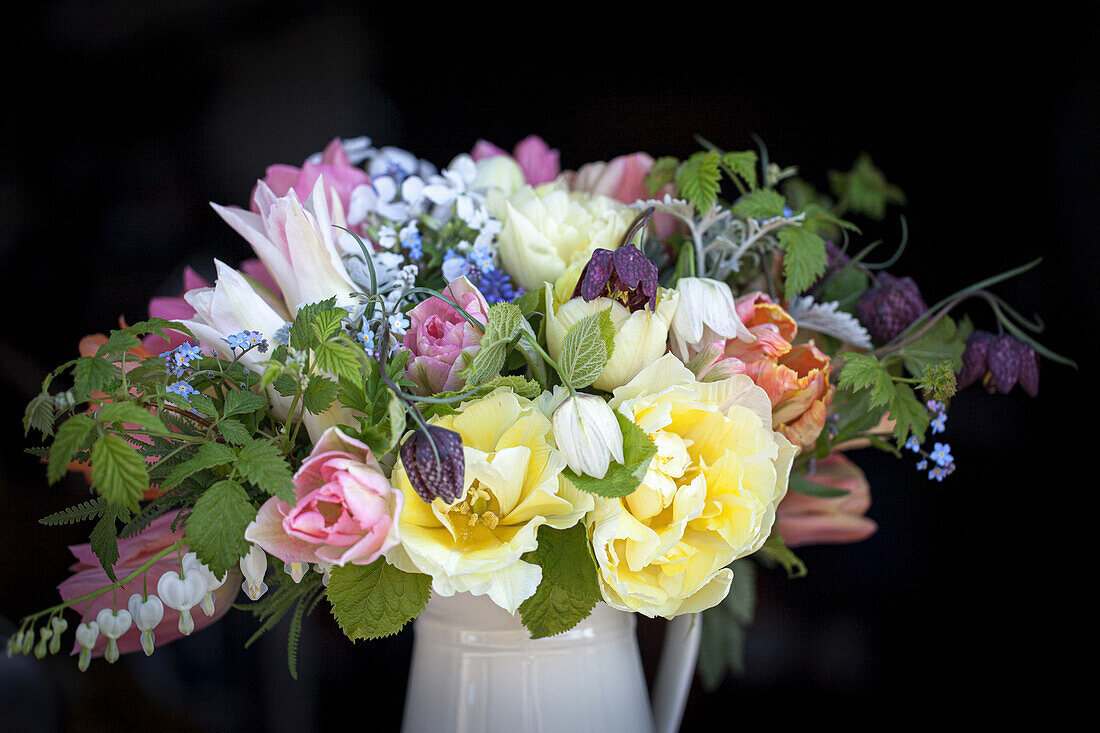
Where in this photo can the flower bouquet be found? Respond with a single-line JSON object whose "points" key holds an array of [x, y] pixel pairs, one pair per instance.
{"points": [[628, 384]]}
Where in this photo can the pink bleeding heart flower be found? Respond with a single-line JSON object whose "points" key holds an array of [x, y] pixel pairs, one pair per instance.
{"points": [[539, 163], [341, 177], [345, 511], [133, 552], [441, 341], [813, 520]]}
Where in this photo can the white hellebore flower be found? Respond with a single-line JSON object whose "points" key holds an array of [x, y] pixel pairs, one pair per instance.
{"points": [[587, 434], [706, 312], [182, 594], [86, 635], [113, 624], [147, 614], [254, 567]]}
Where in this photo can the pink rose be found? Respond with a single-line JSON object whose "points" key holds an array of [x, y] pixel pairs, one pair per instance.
{"points": [[812, 520], [539, 163], [133, 552], [441, 340], [340, 176], [345, 512]]}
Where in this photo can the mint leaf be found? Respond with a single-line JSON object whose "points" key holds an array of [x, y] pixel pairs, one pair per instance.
{"points": [[620, 480], [376, 600], [216, 525], [569, 588], [264, 465], [586, 349], [119, 472], [71, 437]]}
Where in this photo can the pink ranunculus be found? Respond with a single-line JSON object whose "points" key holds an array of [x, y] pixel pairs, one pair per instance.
{"points": [[813, 520], [345, 509], [441, 341], [538, 161], [340, 176], [133, 552]]}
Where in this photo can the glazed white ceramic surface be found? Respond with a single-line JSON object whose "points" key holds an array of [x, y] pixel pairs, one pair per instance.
{"points": [[475, 669]]}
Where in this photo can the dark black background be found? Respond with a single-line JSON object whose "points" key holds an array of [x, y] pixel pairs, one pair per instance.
{"points": [[120, 127]]}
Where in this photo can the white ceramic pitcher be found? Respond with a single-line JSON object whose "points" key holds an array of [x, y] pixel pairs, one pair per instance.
{"points": [[475, 669]]}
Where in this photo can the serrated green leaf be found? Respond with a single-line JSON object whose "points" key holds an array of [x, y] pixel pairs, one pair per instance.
{"points": [[264, 465], [128, 412], [234, 432], [326, 324], [319, 394], [216, 525], [864, 189], [376, 600], [40, 415], [340, 359], [621, 479], [72, 436], [699, 179], [863, 371], [804, 258], [763, 203], [285, 384], [529, 302], [118, 342], [242, 402], [209, 455], [92, 373], [743, 164], [940, 343], [119, 472], [569, 588], [908, 413], [586, 349], [386, 423], [104, 542], [79, 513], [302, 335]]}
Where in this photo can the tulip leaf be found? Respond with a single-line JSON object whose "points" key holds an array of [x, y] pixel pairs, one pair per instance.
{"points": [[376, 600], [586, 349], [621, 479], [216, 525], [804, 485], [569, 588]]}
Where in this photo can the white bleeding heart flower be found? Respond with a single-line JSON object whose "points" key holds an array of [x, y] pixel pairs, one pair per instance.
{"points": [[254, 567], [147, 614], [113, 624], [59, 626], [182, 594], [325, 569], [191, 561], [296, 570], [44, 636], [86, 635]]}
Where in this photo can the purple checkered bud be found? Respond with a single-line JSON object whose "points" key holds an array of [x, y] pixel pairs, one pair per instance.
{"points": [[836, 259], [1000, 362], [624, 275], [974, 358], [888, 308], [434, 470]]}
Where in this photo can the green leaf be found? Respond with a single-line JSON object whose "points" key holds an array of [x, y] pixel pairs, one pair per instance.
{"points": [[804, 258], [569, 588], [243, 402], [302, 334], [804, 485], [775, 550], [586, 349], [326, 324], [620, 480], [722, 648], [209, 455], [118, 342], [662, 173], [504, 324], [376, 600], [104, 542], [763, 203], [40, 414], [79, 513], [908, 413], [72, 436], [234, 432], [216, 525], [529, 302], [285, 384], [940, 343], [128, 412], [93, 373], [319, 394], [743, 164], [863, 371], [264, 465], [340, 359], [386, 423], [119, 472], [865, 189], [699, 179]]}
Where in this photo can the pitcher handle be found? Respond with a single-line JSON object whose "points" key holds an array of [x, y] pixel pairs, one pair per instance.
{"points": [[675, 671]]}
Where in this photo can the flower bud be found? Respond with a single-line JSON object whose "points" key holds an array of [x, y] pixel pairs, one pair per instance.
{"points": [[40, 647], [59, 626], [888, 308], [625, 275], [587, 434], [435, 463]]}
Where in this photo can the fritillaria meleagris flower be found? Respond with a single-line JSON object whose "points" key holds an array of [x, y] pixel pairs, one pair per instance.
{"points": [[434, 471], [624, 275], [888, 308], [1000, 362]]}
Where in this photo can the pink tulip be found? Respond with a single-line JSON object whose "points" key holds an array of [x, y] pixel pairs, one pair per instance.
{"points": [[340, 176], [133, 552], [623, 179], [345, 512], [539, 163], [811, 520], [441, 341]]}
